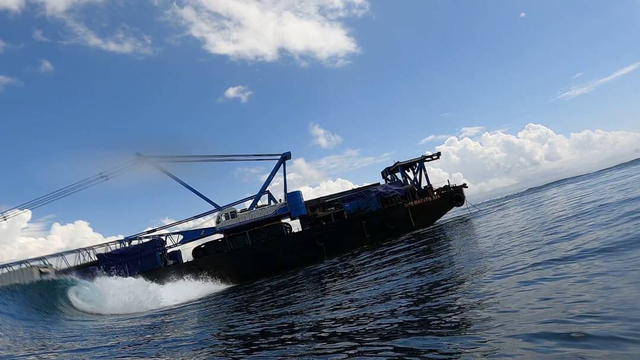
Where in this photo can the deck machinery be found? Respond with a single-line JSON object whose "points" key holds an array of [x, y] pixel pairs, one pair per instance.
{"points": [[260, 240]]}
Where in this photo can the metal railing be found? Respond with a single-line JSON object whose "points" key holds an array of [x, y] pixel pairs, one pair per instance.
{"points": [[82, 256]]}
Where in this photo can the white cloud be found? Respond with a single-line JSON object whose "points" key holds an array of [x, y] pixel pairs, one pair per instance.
{"points": [[38, 35], [324, 138], [431, 138], [316, 178], [576, 76], [122, 42], [12, 5], [3, 46], [349, 160], [523, 14], [499, 163], [470, 131], [45, 66], [326, 187], [62, 7], [17, 242], [592, 85], [198, 223], [265, 30], [238, 92], [8, 81], [311, 179]]}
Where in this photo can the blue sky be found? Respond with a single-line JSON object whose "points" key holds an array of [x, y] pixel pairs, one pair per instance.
{"points": [[87, 83]]}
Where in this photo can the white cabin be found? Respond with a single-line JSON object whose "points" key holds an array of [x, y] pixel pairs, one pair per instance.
{"points": [[231, 216]]}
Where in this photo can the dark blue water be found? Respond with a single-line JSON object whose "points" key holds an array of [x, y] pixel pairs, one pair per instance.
{"points": [[553, 272]]}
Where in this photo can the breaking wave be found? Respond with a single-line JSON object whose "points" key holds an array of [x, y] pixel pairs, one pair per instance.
{"points": [[73, 297], [117, 295]]}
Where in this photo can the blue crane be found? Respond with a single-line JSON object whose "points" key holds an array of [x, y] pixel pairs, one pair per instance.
{"points": [[172, 239]]}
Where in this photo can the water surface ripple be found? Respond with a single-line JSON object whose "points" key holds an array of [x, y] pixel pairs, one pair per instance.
{"points": [[552, 272]]}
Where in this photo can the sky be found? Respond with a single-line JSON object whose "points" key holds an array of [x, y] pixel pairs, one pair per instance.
{"points": [[513, 93]]}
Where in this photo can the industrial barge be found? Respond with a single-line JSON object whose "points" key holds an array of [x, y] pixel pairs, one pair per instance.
{"points": [[261, 239]]}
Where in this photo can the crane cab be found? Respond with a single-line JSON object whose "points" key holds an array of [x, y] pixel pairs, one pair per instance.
{"points": [[227, 216]]}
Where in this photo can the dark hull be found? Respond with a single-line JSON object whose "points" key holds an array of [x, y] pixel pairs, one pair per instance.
{"points": [[316, 243]]}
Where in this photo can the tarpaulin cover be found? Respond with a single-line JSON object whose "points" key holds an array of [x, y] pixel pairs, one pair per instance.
{"points": [[368, 200], [133, 259], [388, 190], [366, 204]]}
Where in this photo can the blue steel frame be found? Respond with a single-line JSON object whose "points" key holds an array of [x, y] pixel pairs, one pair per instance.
{"points": [[281, 163], [284, 157]]}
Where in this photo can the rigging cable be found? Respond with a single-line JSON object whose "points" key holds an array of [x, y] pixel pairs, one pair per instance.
{"points": [[68, 190], [121, 169]]}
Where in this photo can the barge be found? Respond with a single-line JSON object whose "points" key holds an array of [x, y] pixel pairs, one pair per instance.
{"points": [[262, 240]]}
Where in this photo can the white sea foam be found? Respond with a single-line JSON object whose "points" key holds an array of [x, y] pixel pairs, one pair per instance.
{"points": [[120, 295]]}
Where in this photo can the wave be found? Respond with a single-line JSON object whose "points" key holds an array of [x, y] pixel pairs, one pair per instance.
{"points": [[74, 297], [117, 295]]}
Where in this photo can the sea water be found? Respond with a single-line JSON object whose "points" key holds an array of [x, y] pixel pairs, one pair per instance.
{"points": [[552, 272]]}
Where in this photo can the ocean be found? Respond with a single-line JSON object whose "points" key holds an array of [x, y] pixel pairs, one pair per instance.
{"points": [[551, 272]]}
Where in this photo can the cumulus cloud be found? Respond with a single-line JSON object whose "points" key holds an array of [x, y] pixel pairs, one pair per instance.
{"points": [[326, 187], [12, 5], [594, 84], [265, 30], [17, 241], [38, 35], [238, 92], [45, 66], [523, 14], [8, 81], [324, 138], [3, 46], [324, 176], [470, 131], [499, 163]]}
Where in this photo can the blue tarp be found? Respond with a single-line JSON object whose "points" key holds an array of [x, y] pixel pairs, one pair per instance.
{"points": [[134, 259], [368, 200], [388, 190]]}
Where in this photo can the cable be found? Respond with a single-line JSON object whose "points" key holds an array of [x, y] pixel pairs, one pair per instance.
{"points": [[67, 190], [469, 202]]}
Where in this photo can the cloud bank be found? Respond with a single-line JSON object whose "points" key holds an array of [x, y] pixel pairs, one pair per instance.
{"points": [[498, 163], [17, 240]]}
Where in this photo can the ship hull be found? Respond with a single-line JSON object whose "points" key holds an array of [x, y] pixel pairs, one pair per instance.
{"points": [[316, 243]]}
